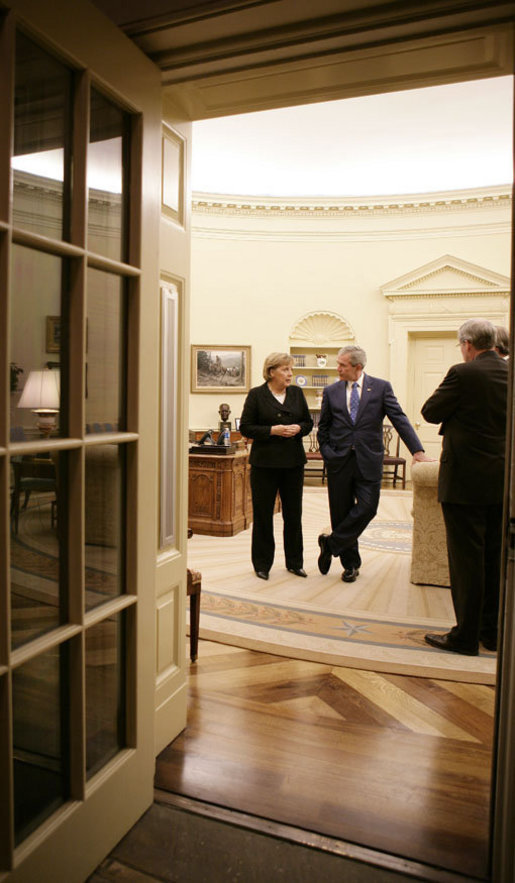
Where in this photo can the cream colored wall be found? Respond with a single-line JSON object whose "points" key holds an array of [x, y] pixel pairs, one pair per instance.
{"points": [[257, 271]]}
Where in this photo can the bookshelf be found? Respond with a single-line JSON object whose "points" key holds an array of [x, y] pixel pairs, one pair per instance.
{"points": [[311, 374]]}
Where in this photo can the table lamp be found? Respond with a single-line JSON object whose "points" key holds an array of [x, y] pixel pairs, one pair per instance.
{"points": [[41, 395]]}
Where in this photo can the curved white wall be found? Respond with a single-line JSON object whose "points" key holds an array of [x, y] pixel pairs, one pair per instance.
{"points": [[259, 265]]}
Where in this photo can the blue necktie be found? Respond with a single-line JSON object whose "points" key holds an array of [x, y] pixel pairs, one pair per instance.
{"points": [[354, 401]]}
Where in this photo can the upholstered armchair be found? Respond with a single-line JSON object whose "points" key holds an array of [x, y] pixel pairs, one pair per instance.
{"points": [[429, 545]]}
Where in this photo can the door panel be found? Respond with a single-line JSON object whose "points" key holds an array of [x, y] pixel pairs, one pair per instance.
{"points": [[429, 359], [171, 585]]}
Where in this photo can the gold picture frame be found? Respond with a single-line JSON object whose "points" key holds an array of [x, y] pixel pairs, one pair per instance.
{"points": [[53, 334], [220, 368]]}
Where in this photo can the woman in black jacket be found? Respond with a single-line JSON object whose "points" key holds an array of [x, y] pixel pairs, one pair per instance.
{"points": [[276, 417]]}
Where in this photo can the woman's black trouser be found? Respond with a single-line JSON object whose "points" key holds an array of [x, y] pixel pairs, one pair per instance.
{"points": [[265, 483]]}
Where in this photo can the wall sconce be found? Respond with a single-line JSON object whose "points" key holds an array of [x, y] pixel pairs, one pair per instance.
{"points": [[41, 393]]}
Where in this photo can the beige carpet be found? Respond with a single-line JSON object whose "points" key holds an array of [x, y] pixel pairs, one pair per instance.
{"points": [[377, 623]]}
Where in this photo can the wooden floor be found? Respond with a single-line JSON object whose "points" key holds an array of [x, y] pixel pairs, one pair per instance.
{"points": [[399, 764]]}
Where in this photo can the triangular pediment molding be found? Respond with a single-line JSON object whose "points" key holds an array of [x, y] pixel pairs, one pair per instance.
{"points": [[322, 328], [447, 276]]}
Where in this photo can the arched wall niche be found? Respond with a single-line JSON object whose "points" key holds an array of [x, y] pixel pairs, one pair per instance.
{"points": [[321, 328], [315, 340]]}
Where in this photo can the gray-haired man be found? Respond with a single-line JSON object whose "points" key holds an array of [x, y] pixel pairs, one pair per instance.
{"points": [[470, 403]]}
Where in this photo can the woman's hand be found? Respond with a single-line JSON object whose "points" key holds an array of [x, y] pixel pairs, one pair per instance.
{"points": [[285, 430]]}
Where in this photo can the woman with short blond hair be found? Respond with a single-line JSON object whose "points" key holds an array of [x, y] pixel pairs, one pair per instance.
{"points": [[276, 417]]}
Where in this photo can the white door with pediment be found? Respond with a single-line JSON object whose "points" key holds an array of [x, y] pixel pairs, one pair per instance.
{"points": [[430, 356], [426, 307]]}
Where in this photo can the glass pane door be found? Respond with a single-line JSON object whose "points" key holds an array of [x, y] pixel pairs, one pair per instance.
{"points": [[71, 612]]}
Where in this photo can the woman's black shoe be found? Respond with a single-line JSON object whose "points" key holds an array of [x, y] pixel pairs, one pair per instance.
{"points": [[262, 574], [298, 571]]}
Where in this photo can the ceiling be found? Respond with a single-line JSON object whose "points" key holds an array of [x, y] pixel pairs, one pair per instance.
{"points": [[451, 137], [196, 41], [188, 37], [222, 58]]}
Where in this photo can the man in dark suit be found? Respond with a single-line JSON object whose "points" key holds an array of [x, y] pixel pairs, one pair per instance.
{"points": [[350, 436], [470, 403], [502, 341]]}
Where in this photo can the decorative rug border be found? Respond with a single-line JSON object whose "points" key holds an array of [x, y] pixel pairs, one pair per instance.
{"points": [[228, 619]]}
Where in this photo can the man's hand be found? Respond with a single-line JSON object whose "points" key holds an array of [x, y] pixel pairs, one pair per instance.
{"points": [[421, 457]]}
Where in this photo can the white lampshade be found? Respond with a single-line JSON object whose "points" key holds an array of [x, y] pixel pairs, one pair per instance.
{"points": [[41, 391]]}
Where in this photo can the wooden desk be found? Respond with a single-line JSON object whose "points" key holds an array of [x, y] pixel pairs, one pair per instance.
{"points": [[219, 494]]}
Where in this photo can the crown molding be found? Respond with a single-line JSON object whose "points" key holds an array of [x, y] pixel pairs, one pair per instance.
{"points": [[221, 205], [473, 212]]}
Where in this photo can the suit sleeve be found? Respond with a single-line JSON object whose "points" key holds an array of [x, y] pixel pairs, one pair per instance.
{"points": [[399, 420], [444, 401], [324, 426], [306, 421], [250, 425]]}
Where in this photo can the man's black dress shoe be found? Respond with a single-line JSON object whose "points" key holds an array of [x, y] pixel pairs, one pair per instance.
{"points": [[349, 574], [325, 557], [262, 574], [298, 571], [489, 643], [444, 642]]}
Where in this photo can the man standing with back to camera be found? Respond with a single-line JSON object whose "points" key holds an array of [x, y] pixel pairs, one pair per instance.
{"points": [[470, 403], [350, 436]]}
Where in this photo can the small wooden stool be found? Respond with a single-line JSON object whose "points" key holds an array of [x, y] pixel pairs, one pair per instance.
{"points": [[193, 591]]}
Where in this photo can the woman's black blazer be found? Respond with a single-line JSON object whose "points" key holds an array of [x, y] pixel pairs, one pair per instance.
{"points": [[260, 412]]}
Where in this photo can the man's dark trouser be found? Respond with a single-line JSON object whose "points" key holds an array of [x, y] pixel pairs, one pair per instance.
{"points": [[353, 503], [474, 539], [265, 483]]}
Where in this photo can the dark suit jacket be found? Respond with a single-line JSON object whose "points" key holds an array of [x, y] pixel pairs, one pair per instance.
{"points": [[261, 411], [470, 403], [338, 436]]}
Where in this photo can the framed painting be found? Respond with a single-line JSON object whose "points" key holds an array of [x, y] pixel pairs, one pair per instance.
{"points": [[215, 368], [53, 334]]}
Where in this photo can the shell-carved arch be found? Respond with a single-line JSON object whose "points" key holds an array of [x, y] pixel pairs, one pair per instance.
{"points": [[322, 329]]}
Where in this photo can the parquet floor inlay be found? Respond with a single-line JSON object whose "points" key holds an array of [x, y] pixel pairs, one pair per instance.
{"points": [[399, 764]]}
